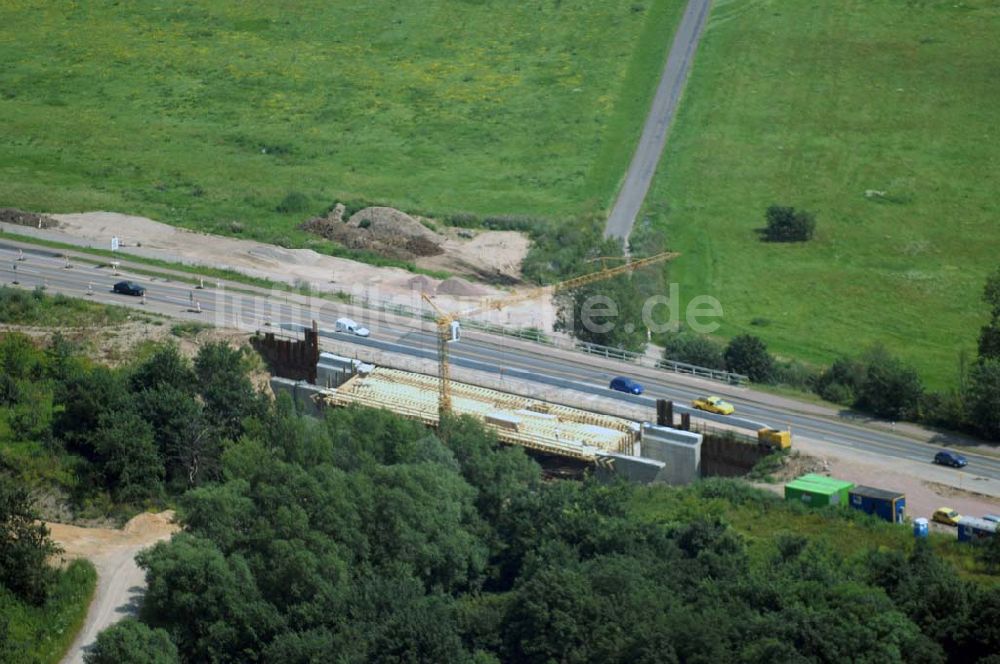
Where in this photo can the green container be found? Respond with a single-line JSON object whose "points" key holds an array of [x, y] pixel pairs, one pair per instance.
{"points": [[818, 490]]}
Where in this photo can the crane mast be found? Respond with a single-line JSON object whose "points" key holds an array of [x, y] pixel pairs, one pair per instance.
{"points": [[446, 320]]}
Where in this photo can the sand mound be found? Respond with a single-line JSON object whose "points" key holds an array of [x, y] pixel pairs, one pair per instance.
{"points": [[421, 284], [385, 231], [280, 255], [389, 222], [147, 523], [460, 287]]}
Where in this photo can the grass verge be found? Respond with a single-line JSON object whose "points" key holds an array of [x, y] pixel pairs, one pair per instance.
{"points": [[20, 307], [43, 634]]}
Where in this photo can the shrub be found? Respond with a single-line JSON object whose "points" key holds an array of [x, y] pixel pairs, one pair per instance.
{"points": [[747, 354], [890, 389], [786, 224], [693, 349], [984, 397], [842, 381], [293, 201], [795, 374]]}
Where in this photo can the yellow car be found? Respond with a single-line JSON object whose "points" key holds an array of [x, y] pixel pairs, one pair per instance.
{"points": [[714, 405], [947, 516]]}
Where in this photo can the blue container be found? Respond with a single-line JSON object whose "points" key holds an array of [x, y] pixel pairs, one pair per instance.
{"points": [[920, 527], [887, 505], [972, 529]]}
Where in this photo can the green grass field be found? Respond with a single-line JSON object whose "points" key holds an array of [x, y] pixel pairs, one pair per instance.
{"points": [[810, 104], [203, 115]]}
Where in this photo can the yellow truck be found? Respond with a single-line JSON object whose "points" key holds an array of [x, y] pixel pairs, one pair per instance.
{"points": [[775, 439]]}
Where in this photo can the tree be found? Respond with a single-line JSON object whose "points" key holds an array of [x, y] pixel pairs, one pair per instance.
{"points": [[209, 603], [694, 349], [133, 642], [747, 354], [20, 361], [31, 417], [785, 224], [89, 397], [164, 368], [989, 337], [991, 293], [225, 387], [606, 313], [25, 546], [190, 447], [842, 382], [131, 464], [424, 517], [890, 389], [984, 397]]}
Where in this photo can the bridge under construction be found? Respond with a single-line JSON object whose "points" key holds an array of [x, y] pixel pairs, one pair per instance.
{"points": [[534, 424]]}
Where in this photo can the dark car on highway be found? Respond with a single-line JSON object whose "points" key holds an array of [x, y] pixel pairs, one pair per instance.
{"points": [[129, 288], [953, 459], [623, 384]]}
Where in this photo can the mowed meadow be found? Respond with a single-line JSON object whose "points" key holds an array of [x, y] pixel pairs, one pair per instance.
{"points": [[881, 117], [201, 114]]}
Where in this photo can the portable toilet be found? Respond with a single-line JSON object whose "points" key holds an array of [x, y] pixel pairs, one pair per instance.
{"points": [[818, 490], [920, 527], [887, 505]]}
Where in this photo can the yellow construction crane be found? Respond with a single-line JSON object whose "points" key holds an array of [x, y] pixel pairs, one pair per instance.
{"points": [[449, 330]]}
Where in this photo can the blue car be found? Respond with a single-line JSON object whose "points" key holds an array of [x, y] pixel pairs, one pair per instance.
{"points": [[953, 459], [623, 384]]}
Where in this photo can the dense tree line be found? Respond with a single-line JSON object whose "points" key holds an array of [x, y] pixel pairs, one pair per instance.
{"points": [[362, 537], [146, 429]]}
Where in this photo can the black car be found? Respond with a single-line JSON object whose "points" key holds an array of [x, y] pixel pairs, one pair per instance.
{"points": [[129, 288], [953, 459]]}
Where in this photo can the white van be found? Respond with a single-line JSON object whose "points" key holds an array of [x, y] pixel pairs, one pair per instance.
{"points": [[351, 327]]}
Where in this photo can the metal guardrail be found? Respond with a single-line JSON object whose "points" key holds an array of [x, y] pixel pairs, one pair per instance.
{"points": [[539, 337], [703, 372]]}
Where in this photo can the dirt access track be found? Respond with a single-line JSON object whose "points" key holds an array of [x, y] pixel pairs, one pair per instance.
{"points": [[145, 237], [120, 582]]}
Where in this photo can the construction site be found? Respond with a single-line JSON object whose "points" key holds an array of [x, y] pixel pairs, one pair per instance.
{"points": [[638, 450], [568, 438], [537, 425]]}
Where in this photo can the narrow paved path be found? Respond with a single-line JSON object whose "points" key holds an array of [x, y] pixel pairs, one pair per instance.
{"points": [[120, 581], [661, 114]]}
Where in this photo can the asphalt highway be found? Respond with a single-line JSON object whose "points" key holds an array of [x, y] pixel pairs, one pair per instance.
{"points": [[238, 306]]}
